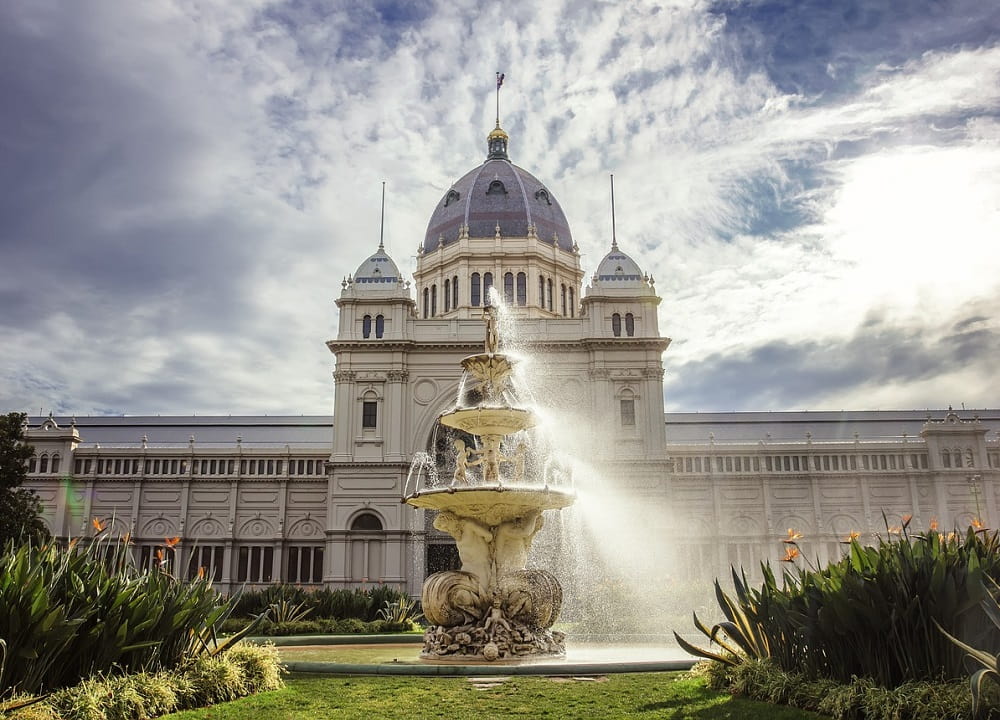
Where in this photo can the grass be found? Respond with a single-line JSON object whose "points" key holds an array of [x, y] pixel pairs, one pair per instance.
{"points": [[641, 695]]}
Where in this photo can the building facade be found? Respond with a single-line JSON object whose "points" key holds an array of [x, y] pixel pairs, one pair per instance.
{"points": [[316, 500]]}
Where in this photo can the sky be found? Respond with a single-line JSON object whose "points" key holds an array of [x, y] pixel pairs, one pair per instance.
{"points": [[814, 186]]}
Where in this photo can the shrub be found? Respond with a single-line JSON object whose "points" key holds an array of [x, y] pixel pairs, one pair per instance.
{"points": [[858, 699], [83, 611], [872, 614], [260, 665], [214, 679], [244, 670]]}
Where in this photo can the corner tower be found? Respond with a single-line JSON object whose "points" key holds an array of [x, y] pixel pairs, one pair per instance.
{"points": [[498, 226]]}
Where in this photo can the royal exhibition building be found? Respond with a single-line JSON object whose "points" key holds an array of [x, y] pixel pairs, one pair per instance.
{"points": [[316, 500]]}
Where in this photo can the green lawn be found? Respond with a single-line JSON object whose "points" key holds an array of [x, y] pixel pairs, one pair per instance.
{"points": [[641, 695]]}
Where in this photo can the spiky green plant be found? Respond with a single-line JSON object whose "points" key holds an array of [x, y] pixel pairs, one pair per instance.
{"points": [[84, 610], [872, 614]]}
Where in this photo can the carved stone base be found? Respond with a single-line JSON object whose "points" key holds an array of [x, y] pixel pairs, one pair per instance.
{"points": [[501, 641]]}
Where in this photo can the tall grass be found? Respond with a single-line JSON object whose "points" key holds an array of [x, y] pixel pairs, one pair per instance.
{"points": [[71, 613]]}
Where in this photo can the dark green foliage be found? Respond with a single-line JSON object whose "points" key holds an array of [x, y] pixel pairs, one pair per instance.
{"points": [[14, 453], [81, 611], [873, 614], [989, 663], [347, 626], [322, 603], [20, 508]]}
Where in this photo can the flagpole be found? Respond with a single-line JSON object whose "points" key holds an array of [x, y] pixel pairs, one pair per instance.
{"points": [[499, 82], [381, 231], [614, 238]]}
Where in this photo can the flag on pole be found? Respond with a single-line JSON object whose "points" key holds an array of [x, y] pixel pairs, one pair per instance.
{"points": [[500, 77]]}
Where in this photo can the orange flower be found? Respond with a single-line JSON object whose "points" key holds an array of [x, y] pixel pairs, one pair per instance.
{"points": [[934, 523], [793, 535], [790, 554], [906, 520], [170, 542], [159, 555], [978, 524], [201, 573], [127, 538], [895, 530], [854, 535], [98, 525]]}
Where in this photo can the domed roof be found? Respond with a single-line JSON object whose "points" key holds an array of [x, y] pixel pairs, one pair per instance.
{"points": [[377, 272], [498, 192], [619, 270]]}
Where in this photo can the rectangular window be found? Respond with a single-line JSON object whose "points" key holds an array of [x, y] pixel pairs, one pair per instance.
{"points": [[255, 564], [795, 462], [729, 464], [697, 464], [739, 464], [854, 462], [369, 414], [305, 564], [208, 557], [628, 411]]}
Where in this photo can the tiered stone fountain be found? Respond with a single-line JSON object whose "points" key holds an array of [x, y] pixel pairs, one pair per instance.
{"points": [[494, 608]]}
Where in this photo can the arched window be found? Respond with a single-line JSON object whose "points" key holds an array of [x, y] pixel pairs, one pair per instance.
{"points": [[629, 324], [32, 464], [616, 325], [549, 282], [454, 292], [487, 284], [563, 296], [434, 300], [522, 289], [447, 294], [627, 405], [366, 326], [367, 551], [474, 295], [55, 463], [426, 302], [366, 522], [572, 303], [541, 291], [946, 458], [508, 288], [379, 325], [43, 464]]}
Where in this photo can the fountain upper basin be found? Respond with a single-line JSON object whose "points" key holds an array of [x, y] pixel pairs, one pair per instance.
{"points": [[492, 505]]}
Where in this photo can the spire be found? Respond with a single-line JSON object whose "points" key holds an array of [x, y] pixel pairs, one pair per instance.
{"points": [[496, 141], [381, 230], [614, 238]]}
